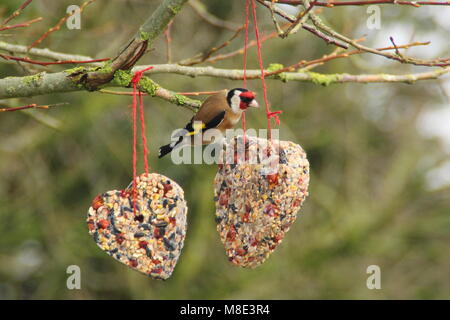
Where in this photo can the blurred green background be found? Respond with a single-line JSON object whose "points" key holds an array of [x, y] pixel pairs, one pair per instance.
{"points": [[380, 184]]}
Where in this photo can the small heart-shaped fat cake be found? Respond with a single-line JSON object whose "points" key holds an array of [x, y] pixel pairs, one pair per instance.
{"points": [[148, 237]]}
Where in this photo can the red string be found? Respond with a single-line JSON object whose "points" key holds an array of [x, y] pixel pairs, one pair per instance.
{"points": [[134, 191], [269, 114], [247, 15], [135, 81], [144, 137], [247, 18]]}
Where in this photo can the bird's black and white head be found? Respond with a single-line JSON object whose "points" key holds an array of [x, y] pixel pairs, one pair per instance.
{"points": [[240, 99]]}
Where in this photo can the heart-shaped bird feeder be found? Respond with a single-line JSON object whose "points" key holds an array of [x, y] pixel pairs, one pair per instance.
{"points": [[147, 236], [258, 194]]}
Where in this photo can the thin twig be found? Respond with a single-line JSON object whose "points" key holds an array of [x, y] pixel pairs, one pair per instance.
{"points": [[397, 52], [441, 62], [330, 57], [251, 44], [201, 10], [21, 25], [202, 57], [47, 63], [301, 18], [328, 39], [32, 106], [331, 3], [59, 24], [168, 36], [42, 53], [17, 12]]}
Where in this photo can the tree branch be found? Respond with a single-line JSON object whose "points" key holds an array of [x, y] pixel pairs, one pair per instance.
{"points": [[136, 48], [328, 39], [331, 3], [49, 83], [117, 73], [317, 78], [403, 59], [338, 39], [44, 53], [43, 83]]}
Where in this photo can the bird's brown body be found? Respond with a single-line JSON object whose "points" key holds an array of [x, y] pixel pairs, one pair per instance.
{"points": [[219, 101], [212, 106], [220, 111]]}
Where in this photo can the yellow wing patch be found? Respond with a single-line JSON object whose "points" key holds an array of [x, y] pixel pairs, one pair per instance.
{"points": [[198, 126]]}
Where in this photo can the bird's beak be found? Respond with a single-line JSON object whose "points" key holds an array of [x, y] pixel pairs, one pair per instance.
{"points": [[253, 104]]}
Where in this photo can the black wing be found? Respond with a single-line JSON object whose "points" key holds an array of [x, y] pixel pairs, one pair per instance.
{"points": [[211, 124]]}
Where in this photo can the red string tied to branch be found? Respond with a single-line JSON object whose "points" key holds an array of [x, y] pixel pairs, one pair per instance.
{"points": [[135, 81], [138, 76]]}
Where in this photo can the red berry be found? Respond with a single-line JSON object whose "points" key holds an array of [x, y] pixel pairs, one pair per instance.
{"points": [[133, 263], [143, 244], [273, 178], [223, 199], [103, 224], [97, 202], [90, 224], [231, 235], [158, 233], [277, 238], [120, 238], [167, 187]]}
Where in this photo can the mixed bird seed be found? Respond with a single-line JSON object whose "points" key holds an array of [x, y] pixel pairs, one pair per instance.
{"points": [[258, 194], [148, 239]]}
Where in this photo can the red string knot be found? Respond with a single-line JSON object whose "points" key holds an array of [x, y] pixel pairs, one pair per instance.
{"points": [[138, 76], [274, 114]]}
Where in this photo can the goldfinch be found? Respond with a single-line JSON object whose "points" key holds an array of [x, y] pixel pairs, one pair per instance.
{"points": [[220, 111]]}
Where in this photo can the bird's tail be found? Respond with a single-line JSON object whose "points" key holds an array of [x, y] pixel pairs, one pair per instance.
{"points": [[168, 148], [165, 150]]}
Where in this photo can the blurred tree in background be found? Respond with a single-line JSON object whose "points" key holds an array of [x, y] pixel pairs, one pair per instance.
{"points": [[379, 192]]}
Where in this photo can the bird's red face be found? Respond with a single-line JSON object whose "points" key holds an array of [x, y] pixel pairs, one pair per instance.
{"points": [[240, 99], [248, 100]]}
